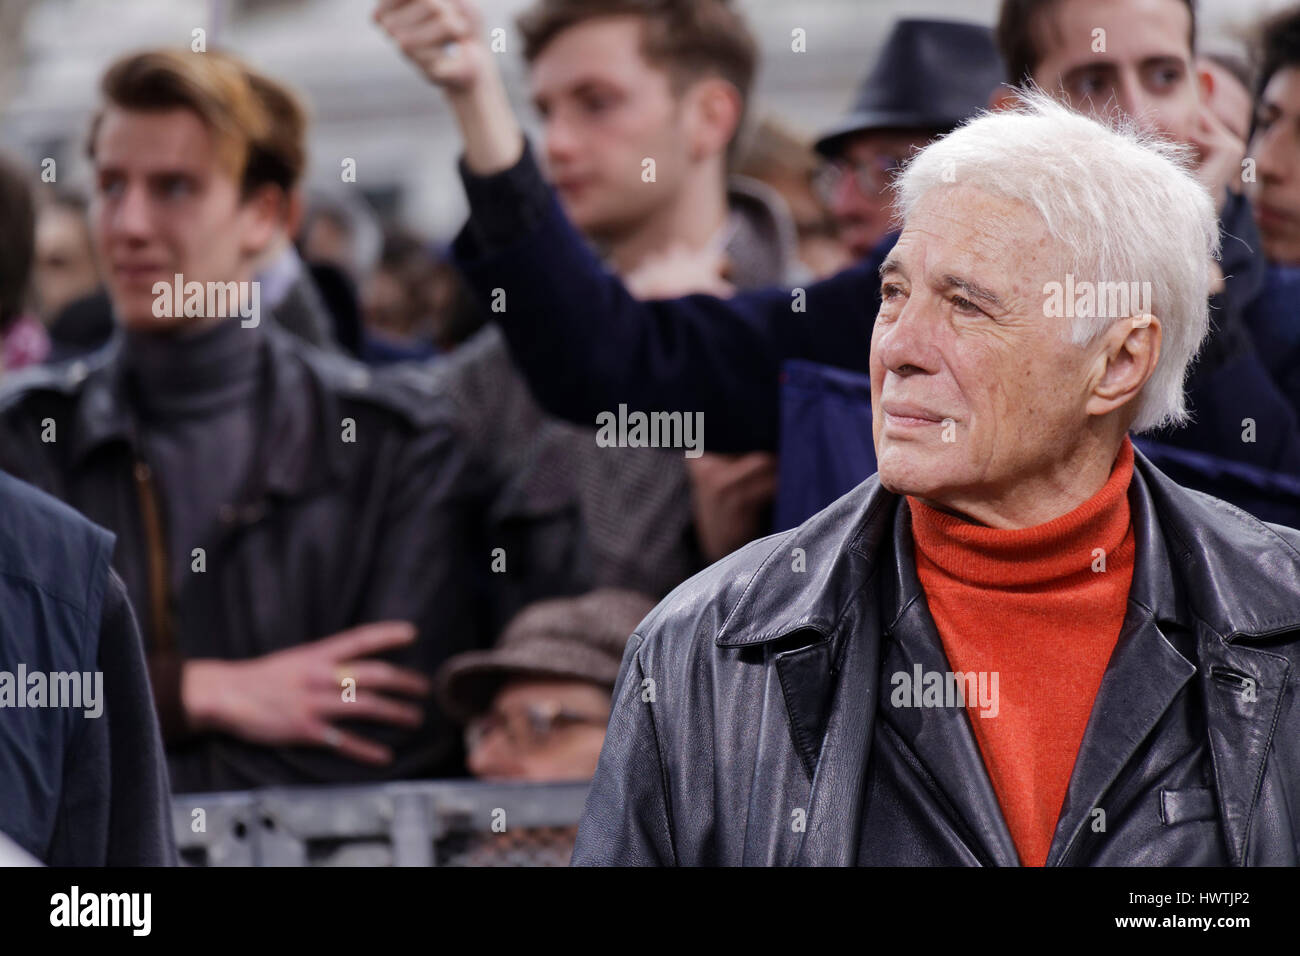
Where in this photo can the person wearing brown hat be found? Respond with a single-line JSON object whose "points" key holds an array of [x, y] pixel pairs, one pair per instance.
{"points": [[536, 705]]}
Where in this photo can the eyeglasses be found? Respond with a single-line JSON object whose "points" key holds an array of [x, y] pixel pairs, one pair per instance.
{"points": [[870, 177], [533, 728]]}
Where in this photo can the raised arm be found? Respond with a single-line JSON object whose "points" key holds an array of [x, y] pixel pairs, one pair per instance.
{"points": [[584, 343]]}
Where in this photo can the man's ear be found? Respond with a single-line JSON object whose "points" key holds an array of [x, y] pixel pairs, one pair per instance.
{"points": [[1205, 83], [715, 110], [295, 209], [261, 215], [1129, 353]]}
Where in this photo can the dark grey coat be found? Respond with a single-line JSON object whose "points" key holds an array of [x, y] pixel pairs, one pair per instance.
{"points": [[329, 534]]}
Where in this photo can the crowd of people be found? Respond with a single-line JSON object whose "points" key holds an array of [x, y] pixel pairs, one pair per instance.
{"points": [[367, 532]]}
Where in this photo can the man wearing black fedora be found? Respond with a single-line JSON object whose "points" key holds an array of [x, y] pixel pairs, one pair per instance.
{"points": [[930, 76]]}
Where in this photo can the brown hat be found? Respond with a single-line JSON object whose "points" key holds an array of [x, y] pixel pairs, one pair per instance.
{"points": [[576, 638]]}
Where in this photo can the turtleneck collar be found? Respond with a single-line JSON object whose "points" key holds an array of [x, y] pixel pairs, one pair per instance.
{"points": [[1042, 556], [193, 373]]}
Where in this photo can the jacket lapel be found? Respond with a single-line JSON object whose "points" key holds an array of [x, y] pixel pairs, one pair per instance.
{"points": [[941, 738], [835, 803], [1144, 675]]}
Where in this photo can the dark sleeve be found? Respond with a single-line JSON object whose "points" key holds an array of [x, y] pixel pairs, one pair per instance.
{"points": [[1229, 382], [626, 818], [304, 313], [165, 668], [586, 345], [430, 568], [116, 802]]}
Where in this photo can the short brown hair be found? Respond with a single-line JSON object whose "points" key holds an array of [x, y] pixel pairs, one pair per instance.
{"points": [[280, 157], [1018, 34], [258, 124], [688, 38], [17, 240]]}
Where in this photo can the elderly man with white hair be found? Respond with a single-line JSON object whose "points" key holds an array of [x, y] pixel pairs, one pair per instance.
{"points": [[1019, 642]]}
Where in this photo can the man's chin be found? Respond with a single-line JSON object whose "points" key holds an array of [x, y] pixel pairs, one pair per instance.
{"points": [[136, 319], [911, 471]]}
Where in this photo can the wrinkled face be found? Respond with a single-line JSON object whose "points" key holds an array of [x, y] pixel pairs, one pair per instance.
{"points": [[163, 205], [1275, 194], [64, 269], [1145, 68], [541, 730], [973, 388], [604, 110], [862, 210]]}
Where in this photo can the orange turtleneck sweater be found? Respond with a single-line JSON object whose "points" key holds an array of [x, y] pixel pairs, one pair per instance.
{"points": [[1033, 605]]}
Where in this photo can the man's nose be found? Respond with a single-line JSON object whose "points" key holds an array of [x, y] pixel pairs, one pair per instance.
{"points": [[1274, 157], [561, 144], [493, 759], [907, 343], [133, 216], [848, 201], [1136, 103]]}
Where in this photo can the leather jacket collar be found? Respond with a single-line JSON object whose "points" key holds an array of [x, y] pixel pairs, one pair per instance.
{"points": [[1200, 534]]}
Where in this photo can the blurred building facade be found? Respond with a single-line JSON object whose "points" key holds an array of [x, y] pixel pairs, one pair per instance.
{"points": [[368, 105]]}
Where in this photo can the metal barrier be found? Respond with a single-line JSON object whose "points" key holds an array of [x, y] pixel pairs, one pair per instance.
{"points": [[433, 823]]}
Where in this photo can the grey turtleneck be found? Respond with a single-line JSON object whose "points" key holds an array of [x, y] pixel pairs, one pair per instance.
{"points": [[195, 396]]}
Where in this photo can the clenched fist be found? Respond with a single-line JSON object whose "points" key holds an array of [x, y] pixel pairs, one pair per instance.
{"points": [[441, 37], [444, 39]]}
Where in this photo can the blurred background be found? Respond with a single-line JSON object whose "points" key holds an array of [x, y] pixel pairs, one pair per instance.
{"points": [[368, 104]]}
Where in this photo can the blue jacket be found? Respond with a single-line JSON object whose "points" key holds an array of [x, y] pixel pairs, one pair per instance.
{"points": [[82, 783]]}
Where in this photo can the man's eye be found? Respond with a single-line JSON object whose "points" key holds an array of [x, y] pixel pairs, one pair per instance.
{"points": [[111, 188], [597, 104], [176, 188], [890, 290], [1089, 84], [1166, 77], [965, 305]]}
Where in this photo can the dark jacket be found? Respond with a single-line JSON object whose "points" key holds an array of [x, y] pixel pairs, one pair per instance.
{"points": [[82, 785], [586, 345], [303, 313], [332, 534], [753, 724]]}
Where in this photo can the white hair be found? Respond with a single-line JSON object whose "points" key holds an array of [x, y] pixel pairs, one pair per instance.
{"points": [[1123, 204]]}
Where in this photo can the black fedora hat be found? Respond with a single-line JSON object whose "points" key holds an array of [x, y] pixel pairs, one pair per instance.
{"points": [[931, 74]]}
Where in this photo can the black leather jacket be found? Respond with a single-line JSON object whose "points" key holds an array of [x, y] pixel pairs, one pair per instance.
{"points": [[750, 725], [333, 534]]}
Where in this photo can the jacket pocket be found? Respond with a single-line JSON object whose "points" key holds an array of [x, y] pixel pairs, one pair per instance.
{"points": [[1186, 805]]}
